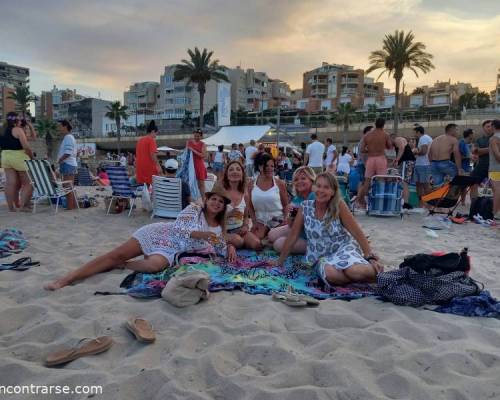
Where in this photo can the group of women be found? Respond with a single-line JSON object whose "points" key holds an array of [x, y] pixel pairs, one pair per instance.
{"points": [[236, 214]]}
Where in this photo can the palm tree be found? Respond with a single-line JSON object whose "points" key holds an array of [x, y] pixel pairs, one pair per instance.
{"points": [[344, 117], [23, 98], [47, 128], [199, 70], [400, 51], [483, 100], [116, 112]]}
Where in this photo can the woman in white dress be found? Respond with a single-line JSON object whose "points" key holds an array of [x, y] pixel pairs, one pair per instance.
{"points": [[196, 229], [345, 162]]}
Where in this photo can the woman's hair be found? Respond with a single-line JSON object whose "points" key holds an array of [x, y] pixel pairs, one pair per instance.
{"points": [[12, 118], [152, 127], [66, 124], [307, 171], [243, 183], [221, 216], [333, 208], [344, 150], [220, 148], [261, 160]]}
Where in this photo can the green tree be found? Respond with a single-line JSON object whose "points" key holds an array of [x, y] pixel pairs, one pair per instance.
{"points": [[200, 69], [23, 98], [467, 100], [345, 117], [418, 90], [400, 52], [483, 100], [116, 112], [47, 128]]}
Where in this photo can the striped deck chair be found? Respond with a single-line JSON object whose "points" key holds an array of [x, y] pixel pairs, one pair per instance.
{"points": [[122, 189], [46, 185], [385, 196], [83, 177], [167, 197]]}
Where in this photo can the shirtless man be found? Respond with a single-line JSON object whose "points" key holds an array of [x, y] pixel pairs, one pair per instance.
{"points": [[375, 143], [445, 156], [405, 163]]}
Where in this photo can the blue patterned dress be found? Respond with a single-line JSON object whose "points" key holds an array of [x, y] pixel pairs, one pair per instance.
{"points": [[329, 244]]}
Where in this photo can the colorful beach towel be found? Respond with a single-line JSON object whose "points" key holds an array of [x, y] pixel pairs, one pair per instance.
{"points": [[12, 241], [252, 273]]}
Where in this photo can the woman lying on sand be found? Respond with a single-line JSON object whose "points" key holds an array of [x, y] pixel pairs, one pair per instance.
{"points": [[196, 229], [329, 224]]}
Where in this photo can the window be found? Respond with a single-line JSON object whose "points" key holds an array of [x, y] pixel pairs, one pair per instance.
{"points": [[179, 89]]}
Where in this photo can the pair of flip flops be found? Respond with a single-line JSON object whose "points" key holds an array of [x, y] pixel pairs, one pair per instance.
{"points": [[21, 264], [142, 330], [296, 300]]}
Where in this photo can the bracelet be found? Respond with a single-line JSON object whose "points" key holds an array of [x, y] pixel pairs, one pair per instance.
{"points": [[370, 257]]}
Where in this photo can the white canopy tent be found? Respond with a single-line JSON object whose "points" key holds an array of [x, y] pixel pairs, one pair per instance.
{"points": [[228, 135], [166, 148]]}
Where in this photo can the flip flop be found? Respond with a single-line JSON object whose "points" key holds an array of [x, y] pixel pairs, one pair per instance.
{"points": [[142, 330], [296, 300], [93, 346], [21, 264]]}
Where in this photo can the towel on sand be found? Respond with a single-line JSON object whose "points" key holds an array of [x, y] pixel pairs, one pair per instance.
{"points": [[12, 241]]}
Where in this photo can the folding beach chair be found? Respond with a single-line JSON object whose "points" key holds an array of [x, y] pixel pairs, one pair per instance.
{"points": [[448, 195], [167, 197], [83, 177], [385, 197], [120, 184], [46, 185]]}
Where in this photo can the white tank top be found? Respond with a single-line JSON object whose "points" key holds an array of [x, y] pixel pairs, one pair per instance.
{"points": [[219, 157], [235, 215], [267, 204]]}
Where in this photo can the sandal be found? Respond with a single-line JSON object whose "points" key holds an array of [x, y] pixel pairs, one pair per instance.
{"points": [[142, 329], [21, 264], [296, 300], [93, 346]]}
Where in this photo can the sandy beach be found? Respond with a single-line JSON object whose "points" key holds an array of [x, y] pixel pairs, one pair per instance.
{"points": [[239, 346]]}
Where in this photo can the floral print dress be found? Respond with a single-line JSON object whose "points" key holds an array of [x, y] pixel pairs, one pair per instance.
{"points": [[169, 238]]}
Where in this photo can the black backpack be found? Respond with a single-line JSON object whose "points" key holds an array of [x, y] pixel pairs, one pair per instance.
{"points": [[482, 206]]}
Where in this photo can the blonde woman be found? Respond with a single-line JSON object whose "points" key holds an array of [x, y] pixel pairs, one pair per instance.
{"points": [[332, 233], [303, 181]]}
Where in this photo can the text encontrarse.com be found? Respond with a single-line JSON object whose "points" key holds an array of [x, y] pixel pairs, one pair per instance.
{"points": [[49, 389]]}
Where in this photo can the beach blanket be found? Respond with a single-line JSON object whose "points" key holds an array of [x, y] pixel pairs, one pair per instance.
{"points": [[482, 305], [251, 273], [12, 241]]}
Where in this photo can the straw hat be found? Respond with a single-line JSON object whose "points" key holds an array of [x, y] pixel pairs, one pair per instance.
{"points": [[219, 190]]}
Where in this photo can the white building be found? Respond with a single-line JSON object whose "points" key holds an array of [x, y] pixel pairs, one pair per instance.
{"points": [[497, 92]]}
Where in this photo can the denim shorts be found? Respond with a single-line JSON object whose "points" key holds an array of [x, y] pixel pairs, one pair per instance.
{"points": [[66, 169], [218, 167], [422, 174], [441, 169], [361, 171]]}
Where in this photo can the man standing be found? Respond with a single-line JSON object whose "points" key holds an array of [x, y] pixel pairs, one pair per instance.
{"points": [[481, 150], [331, 156], [314, 154], [445, 156], [422, 172], [249, 158], [494, 167], [123, 160], [405, 162], [465, 150], [375, 142], [146, 159], [66, 157], [235, 154]]}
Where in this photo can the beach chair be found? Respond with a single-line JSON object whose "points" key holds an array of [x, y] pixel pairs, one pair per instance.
{"points": [[83, 177], [120, 184], [45, 184], [167, 197], [344, 189], [385, 197], [448, 195]]}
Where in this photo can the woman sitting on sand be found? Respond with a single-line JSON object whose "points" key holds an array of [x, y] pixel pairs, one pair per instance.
{"points": [[329, 224], [234, 181], [196, 229], [303, 181]]}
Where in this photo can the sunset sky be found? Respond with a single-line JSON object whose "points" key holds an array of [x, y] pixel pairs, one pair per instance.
{"points": [[104, 46]]}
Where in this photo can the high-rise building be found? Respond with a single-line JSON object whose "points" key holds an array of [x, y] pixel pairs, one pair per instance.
{"points": [[11, 76], [142, 97], [49, 102]]}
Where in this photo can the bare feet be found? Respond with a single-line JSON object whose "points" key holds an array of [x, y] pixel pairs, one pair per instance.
{"points": [[58, 284]]}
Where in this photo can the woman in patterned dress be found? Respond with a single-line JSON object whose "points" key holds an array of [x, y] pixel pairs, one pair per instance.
{"points": [[196, 229], [332, 233]]}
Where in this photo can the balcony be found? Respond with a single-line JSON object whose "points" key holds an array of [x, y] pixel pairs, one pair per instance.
{"points": [[349, 81], [316, 92], [319, 82]]}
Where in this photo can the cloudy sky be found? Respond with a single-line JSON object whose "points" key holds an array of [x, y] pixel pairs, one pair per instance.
{"points": [[98, 46]]}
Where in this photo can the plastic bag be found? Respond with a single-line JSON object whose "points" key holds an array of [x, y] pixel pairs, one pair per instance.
{"points": [[146, 199]]}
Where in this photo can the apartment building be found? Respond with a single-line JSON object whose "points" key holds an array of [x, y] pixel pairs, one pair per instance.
{"points": [[142, 97], [441, 94], [48, 103], [497, 93], [11, 76], [334, 84], [280, 94], [178, 99]]}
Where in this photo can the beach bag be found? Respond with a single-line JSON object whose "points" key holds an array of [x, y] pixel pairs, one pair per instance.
{"points": [[146, 199], [438, 263], [186, 288], [405, 287], [482, 206]]}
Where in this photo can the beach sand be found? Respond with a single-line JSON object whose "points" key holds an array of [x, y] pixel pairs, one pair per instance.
{"points": [[239, 346]]}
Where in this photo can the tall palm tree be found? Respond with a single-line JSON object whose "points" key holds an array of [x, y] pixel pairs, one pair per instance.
{"points": [[116, 112], [200, 69], [23, 98], [344, 117], [47, 128], [399, 52]]}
